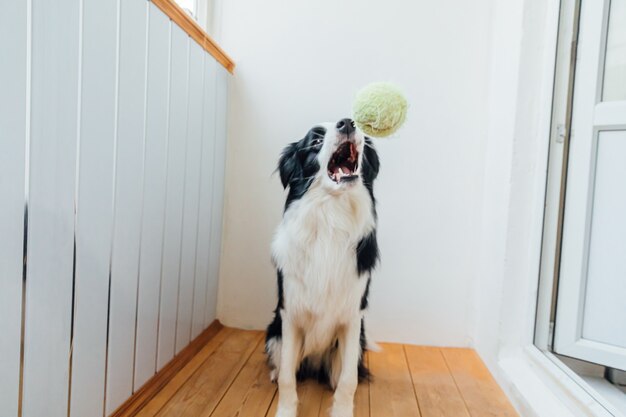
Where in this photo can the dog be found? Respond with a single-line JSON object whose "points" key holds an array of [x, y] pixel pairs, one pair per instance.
{"points": [[324, 251]]}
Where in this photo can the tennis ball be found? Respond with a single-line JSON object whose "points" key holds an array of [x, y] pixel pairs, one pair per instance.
{"points": [[379, 109]]}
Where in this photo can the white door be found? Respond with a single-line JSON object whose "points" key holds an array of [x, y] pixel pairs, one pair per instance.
{"points": [[591, 310]]}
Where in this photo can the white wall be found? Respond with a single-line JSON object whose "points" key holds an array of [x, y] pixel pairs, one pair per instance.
{"points": [[299, 63]]}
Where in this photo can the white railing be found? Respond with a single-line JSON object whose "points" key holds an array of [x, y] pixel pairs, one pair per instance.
{"points": [[112, 148]]}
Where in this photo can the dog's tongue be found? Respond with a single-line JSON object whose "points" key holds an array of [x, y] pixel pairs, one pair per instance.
{"points": [[341, 170]]}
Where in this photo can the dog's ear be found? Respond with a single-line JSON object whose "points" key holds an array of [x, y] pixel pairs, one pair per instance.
{"points": [[371, 163], [289, 164]]}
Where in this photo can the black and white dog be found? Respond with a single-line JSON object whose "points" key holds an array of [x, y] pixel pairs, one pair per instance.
{"points": [[324, 251]]}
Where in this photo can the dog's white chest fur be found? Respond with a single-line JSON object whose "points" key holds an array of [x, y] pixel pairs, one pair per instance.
{"points": [[315, 248]]}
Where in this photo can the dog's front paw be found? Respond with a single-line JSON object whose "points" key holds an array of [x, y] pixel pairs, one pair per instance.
{"points": [[287, 407], [287, 411], [341, 409]]}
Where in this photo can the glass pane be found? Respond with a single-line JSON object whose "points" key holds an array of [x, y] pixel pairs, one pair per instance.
{"points": [[615, 64], [188, 5]]}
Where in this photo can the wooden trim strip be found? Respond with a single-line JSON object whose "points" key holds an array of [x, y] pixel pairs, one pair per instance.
{"points": [[193, 29], [141, 397]]}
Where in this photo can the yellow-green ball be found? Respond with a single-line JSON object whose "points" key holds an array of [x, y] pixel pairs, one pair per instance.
{"points": [[379, 109]]}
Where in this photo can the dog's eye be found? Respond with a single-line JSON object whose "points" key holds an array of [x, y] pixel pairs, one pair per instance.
{"points": [[317, 141]]}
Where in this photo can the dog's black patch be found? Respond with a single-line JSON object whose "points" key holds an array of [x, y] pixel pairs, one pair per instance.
{"points": [[364, 373], [298, 164], [367, 253], [369, 169], [308, 370], [275, 329]]}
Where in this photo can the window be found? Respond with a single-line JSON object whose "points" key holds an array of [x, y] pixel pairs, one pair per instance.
{"points": [[615, 56], [190, 6], [580, 310], [199, 10]]}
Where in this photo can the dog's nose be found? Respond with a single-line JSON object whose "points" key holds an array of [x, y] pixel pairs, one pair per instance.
{"points": [[345, 126]]}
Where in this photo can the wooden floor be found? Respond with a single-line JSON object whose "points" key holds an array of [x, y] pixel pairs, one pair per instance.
{"points": [[229, 377]]}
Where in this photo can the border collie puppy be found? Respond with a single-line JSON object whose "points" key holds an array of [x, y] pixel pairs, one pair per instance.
{"points": [[324, 251]]}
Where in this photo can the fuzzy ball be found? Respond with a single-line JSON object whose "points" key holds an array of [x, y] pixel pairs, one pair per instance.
{"points": [[379, 109]]}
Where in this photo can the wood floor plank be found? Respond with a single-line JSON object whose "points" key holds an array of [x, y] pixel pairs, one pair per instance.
{"points": [[155, 405], [481, 393], [252, 391], [310, 394], [327, 403], [271, 412], [391, 390], [436, 391], [201, 393]]}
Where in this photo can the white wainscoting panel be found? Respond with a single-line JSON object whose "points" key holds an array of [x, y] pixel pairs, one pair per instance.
{"points": [[51, 189], [13, 133], [94, 211], [128, 201], [155, 174], [177, 144]]}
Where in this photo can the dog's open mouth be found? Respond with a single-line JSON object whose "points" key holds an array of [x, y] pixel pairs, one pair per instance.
{"points": [[344, 163]]}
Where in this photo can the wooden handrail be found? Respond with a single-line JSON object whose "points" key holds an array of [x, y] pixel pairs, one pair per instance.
{"points": [[193, 29]]}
